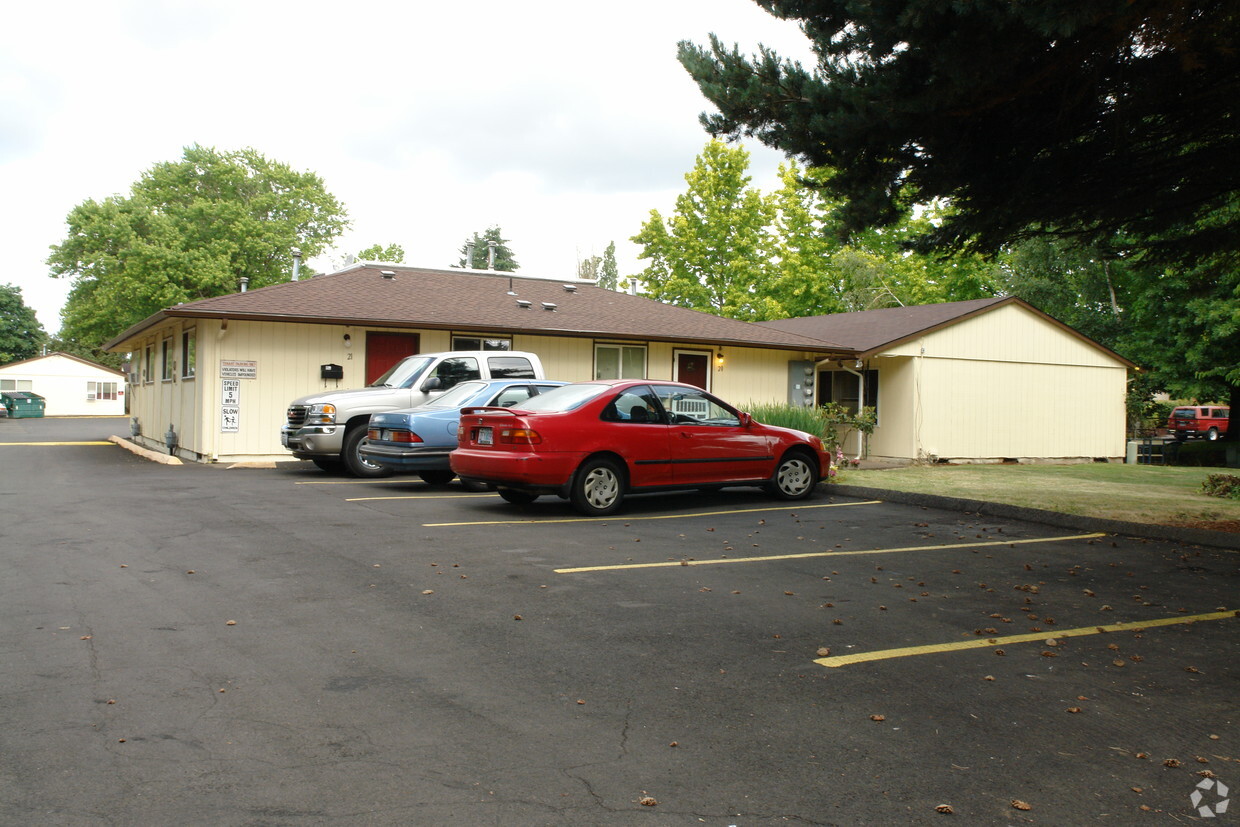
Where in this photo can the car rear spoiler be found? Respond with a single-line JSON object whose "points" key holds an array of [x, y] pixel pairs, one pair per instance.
{"points": [[487, 410]]}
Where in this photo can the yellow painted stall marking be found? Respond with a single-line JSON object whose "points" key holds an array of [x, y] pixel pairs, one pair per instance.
{"points": [[996, 642], [624, 519], [56, 443], [803, 555]]}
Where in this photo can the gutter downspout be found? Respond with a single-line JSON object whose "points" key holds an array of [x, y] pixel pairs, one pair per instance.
{"points": [[860, 404], [860, 397]]}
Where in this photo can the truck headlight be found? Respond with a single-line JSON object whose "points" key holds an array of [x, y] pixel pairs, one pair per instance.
{"points": [[323, 413]]}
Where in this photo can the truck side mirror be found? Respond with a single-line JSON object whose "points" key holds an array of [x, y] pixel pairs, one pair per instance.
{"points": [[432, 384]]}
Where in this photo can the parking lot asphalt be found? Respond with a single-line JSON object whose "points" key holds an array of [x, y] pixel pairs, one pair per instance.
{"points": [[202, 645]]}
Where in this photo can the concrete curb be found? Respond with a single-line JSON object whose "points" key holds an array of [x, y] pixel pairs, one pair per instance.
{"points": [[1193, 536], [145, 453]]}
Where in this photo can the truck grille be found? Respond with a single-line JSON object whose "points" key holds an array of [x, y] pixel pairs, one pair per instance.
{"points": [[297, 415]]}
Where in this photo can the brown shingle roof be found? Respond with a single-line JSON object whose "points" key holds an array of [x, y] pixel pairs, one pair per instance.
{"points": [[473, 300], [872, 331]]}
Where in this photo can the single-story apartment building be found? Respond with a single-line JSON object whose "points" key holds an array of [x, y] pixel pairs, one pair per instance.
{"points": [[988, 380], [71, 386], [220, 373]]}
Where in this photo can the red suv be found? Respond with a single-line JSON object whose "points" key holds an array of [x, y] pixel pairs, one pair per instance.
{"points": [[1208, 421]]}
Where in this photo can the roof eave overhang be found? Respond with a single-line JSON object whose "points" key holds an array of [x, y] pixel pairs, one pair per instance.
{"points": [[885, 346], [809, 346]]}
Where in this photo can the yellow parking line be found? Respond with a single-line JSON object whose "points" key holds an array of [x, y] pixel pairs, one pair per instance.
{"points": [[420, 497], [990, 643], [808, 554], [56, 443], [615, 519]]}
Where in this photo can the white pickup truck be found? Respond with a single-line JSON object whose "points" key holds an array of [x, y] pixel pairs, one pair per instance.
{"points": [[328, 428]]}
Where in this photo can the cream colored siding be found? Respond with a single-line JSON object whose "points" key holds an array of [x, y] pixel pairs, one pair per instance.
{"points": [[996, 410], [289, 357], [753, 375], [1007, 334], [563, 359], [1005, 384], [894, 434]]}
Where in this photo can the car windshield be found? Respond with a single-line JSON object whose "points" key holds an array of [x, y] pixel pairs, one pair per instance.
{"points": [[1184, 413], [563, 398], [458, 397], [402, 374]]}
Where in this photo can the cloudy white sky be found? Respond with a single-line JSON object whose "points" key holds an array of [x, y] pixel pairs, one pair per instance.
{"points": [[564, 123]]}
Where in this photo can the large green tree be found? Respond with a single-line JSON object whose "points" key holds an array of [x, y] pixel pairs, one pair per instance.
{"points": [[21, 335], [504, 260], [603, 269], [820, 272], [731, 250], [1068, 117], [1179, 322], [189, 229], [393, 253], [716, 246]]}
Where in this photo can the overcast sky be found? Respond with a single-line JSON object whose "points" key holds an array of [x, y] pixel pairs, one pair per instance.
{"points": [[564, 123]]}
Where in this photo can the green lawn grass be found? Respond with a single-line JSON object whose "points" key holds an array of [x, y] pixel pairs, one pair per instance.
{"points": [[1136, 493]]}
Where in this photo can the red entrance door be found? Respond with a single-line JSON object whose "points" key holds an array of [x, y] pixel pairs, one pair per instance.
{"points": [[386, 349], [693, 369]]}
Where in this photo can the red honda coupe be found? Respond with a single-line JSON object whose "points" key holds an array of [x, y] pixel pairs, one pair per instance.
{"points": [[594, 442]]}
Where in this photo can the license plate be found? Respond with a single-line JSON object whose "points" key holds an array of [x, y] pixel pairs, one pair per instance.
{"points": [[485, 437]]}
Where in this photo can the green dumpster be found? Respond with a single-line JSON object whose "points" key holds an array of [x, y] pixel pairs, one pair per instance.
{"points": [[23, 404]]}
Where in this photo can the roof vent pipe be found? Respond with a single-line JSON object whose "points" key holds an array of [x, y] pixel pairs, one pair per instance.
{"points": [[296, 262], [245, 282], [490, 255], [469, 255]]}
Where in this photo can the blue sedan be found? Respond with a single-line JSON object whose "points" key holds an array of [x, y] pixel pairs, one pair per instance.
{"points": [[418, 440]]}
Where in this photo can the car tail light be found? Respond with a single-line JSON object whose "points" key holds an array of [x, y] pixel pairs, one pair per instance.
{"points": [[382, 435], [519, 436]]}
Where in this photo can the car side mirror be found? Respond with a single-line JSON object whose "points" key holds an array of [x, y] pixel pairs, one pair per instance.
{"points": [[432, 384], [746, 419]]}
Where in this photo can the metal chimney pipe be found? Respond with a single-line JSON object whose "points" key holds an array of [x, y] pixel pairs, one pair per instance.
{"points": [[490, 255], [296, 262], [469, 255], [245, 282]]}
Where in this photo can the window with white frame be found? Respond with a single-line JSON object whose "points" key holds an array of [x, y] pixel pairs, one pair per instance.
{"points": [[101, 390], [148, 363], [619, 361], [16, 385], [189, 353], [481, 343], [167, 359]]}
